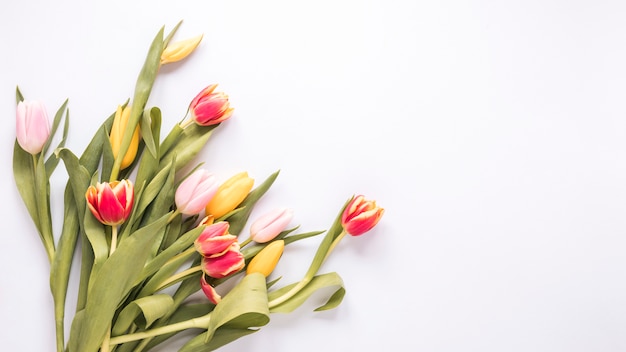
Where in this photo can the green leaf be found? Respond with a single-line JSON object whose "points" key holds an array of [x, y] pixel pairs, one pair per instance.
{"points": [[24, 176], [61, 265], [238, 220], [244, 307], [142, 312], [151, 118], [143, 87], [184, 312], [18, 95], [221, 337], [188, 145], [53, 161], [111, 285], [332, 280], [183, 243]]}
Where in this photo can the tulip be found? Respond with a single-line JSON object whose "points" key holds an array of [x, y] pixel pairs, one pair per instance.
{"points": [[229, 195], [210, 108], [226, 264], [209, 291], [360, 216], [120, 124], [195, 192], [111, 203], [265, 261], [268, 226], [32, 126], [214, 240], [180, 50]]}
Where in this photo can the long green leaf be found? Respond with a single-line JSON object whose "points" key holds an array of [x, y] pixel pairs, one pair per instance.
{"points": [[111, 285], [323, 281], [62, 263], [143, 87], [244, 307]]}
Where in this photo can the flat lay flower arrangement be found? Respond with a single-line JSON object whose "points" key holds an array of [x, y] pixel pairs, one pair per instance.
{"points": [[150, 234]]}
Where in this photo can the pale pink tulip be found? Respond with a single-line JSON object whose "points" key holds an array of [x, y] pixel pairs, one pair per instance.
{"points": [[32, 126], [195, 192], [268, 226]]}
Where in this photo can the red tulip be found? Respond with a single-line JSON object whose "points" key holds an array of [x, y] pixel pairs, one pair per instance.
{"points": [[228, 263], [209, 291], [360, 216], [111, 203], [210, 108], [214, 240]]}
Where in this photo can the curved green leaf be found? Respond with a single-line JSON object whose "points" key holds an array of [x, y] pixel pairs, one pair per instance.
{"points": [[142, 312], [318, 282]]}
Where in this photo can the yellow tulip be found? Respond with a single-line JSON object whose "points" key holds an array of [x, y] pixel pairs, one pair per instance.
{"points": [[117, 134], [266, 260], [180, 50], [229, 195]]}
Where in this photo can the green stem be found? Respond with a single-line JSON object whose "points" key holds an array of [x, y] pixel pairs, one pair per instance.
{"points": [[201, 322], [113, 239], [245, 242], [178, 277], [174, 214]]}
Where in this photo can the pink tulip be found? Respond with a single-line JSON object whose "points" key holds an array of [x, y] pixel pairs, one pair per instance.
{"points": [[32, 126], [226, 264], [214, 240], [209, 291], [210, 108], [111, 203], [195, 192], [360, 216], [268, 226]]}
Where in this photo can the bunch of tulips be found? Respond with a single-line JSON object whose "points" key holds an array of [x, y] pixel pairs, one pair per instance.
{"points": [[153, 235]]}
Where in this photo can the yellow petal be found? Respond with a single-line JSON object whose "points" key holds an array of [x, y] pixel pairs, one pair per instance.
{"points": [[180, 50]]}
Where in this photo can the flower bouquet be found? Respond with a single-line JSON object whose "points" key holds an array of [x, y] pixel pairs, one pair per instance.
{"points": [[151, 234]]}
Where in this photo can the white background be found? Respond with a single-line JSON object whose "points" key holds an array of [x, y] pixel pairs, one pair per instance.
{"points": [[492, 132]]}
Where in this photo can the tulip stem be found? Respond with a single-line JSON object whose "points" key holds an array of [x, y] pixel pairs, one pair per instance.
{"points": [[113, 239], [174, 214], [201, 322], [177, 277], [245, 242]]}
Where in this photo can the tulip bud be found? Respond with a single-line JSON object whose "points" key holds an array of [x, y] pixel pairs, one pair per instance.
{"points": [[111, 203], [210, 108], [268, 226], [32, 126], [180, 50], [229, 195], [214, 240], [195, 192], [120, 123], [360, 216], [226, 264], [209, 291], [265, 261]]}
